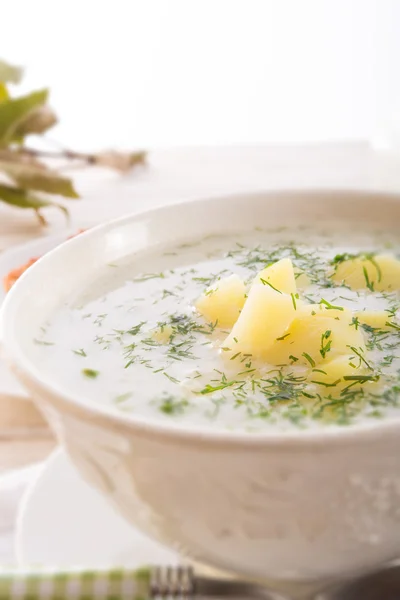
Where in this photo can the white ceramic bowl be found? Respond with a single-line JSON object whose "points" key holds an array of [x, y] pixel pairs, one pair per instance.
{"points": [[305, 505]]}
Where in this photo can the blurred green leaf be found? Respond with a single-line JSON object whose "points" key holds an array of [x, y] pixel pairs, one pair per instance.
{"points": [[10, 73], [4, 95], [23, 199], [41, 179], [15, 110], [38, 121], [22, 166]]}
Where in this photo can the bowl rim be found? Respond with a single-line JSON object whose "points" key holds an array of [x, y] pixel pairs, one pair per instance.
{"points": [[107, 414]]}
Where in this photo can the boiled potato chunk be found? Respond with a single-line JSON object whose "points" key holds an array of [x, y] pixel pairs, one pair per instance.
{"points": [[374, 318], [302, 279], [315, 335], [223, 302], [332, 372], [379, 273], [280, 275], [162, 334], [265, 316], [320, 310]]}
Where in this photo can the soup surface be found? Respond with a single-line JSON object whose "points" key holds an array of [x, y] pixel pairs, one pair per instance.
{"points": [[209, 333]]}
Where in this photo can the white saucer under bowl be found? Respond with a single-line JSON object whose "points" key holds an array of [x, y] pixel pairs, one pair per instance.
{"points": [[64, 522]]}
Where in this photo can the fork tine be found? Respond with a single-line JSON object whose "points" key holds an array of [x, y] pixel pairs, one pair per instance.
{"points": [[155, 578], [172, 582], [186, 581]]}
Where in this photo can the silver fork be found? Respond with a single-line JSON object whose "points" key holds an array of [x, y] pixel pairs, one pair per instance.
{"points": [[181, 583]]}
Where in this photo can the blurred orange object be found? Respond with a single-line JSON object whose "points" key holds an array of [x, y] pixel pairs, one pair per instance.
{"points": [[15, 274], [77, 233]]}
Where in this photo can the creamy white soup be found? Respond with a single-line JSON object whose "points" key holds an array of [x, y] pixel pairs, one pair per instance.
{"points": [[271, 329]]}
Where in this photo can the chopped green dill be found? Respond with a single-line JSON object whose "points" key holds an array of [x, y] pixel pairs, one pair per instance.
{"points": [[326, 343], [372, 260], [265, 282], [80, 352], [149, 342], [309, 359], [283, 337], [173, 379], [122, 397], [388, 360], [135, 329], [130, 362], [167, 294], [209, 389], [173, 406], [206, 281], [330, 306], [148, 276], [368, 328], [325, 384], [181, 350], [392, 325], [361, 378], [293, 300], [42, 342], [368, 283], [360, 353], [339, 258], [90, 373], [99, 319]]}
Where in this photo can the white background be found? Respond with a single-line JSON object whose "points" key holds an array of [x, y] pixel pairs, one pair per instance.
{"points": [[176, 72]]}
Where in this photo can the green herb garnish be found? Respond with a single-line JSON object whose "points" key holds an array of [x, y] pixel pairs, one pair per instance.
{"points": [[330, 306], [173, 406], [265, 282], [309, 359], [173, 379], [42, 342], [90, 373], [368, 283], [80, 352], [326, 343]]}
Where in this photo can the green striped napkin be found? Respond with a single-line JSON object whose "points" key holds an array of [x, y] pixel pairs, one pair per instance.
{"points": [[74, 584]]}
